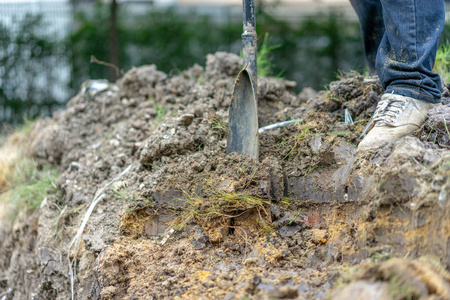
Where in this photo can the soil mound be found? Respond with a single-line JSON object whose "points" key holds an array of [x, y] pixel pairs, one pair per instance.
{"points": [[167, 214]]}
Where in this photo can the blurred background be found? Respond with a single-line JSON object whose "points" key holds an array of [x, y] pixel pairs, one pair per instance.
{"points": [[47, 46]]}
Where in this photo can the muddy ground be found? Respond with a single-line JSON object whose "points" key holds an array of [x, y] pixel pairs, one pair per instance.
{"points": [[168, 215]]}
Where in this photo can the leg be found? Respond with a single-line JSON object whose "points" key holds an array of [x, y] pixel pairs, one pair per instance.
{"points": [[372, 27], [404, 64], [408, 49]]}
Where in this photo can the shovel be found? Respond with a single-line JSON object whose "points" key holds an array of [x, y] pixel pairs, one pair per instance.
{"points": [[243, 120]]}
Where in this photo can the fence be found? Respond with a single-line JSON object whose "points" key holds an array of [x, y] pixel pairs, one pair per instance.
{"points": [[45, 47]]}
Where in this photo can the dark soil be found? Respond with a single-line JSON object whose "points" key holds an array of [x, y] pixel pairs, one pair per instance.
{"points": [[313, 219]]}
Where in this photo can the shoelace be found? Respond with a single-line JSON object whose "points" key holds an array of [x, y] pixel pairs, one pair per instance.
{"points": [[388, 109]]}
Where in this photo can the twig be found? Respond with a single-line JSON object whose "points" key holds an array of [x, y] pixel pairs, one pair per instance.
{"points": [[235, 216], [244, 237], [443, 146], [439, 161], [99, 62], [259, 213]]}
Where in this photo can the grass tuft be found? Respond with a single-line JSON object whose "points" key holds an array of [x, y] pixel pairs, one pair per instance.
{"points": [[12, 151], [306, 130], [134, 199], [29, 184], [23, 183], [219, 205], [161, 113], [442, 64], [221, 128], [264, 60]]}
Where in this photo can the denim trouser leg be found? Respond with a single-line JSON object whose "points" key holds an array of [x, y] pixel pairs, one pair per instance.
{"points": [[370, 17], [407, 51]]}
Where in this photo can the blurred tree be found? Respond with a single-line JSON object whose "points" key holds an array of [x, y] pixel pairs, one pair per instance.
{"points": [[27, 60], [113, 41], [89, 37], [312, 51]]}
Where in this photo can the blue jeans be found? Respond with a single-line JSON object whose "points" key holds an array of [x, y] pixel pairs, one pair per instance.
{"points": [[400, 42]]}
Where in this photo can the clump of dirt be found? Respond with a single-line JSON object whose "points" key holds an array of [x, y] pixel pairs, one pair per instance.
{"points": [[436, 132], [397, 279], [354, 92], [179, 218], [233, 270]]}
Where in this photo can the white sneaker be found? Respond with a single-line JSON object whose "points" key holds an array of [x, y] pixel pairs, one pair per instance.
{"points": [[395, 117]]}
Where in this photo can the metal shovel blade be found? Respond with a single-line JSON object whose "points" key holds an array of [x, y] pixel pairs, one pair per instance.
{"points": [[243, 121]]}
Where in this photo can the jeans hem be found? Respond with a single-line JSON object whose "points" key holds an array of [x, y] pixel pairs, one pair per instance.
{"points": [[410, 92]]}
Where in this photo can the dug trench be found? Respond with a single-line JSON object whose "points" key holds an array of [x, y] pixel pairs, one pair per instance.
{"points": [[150, 206]]}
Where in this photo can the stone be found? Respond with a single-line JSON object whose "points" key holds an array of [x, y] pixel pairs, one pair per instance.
{"points": [[364, 290]]}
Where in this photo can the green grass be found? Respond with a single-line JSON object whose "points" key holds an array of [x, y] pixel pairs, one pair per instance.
{"points": [[307, 130], [160, 114], [134, 199], [220, 128], [428, 136], [264, 59], [27, 126], [23, 129], [219, 205], [30, 183], [442, 64]]}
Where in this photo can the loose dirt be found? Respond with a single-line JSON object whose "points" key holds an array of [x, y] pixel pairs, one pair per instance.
{"points": [[312, 219]]}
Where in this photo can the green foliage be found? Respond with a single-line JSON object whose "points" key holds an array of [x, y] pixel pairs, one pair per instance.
{"points": [[89, 38], [310, 51], [30, 184], [160, 114], [328, 44], [264, 58], [442, 64], [165, 38], [220, 128], [27, 53]]}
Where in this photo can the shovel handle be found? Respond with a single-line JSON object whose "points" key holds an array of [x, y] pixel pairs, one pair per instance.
{"points": [[249, 38]]}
